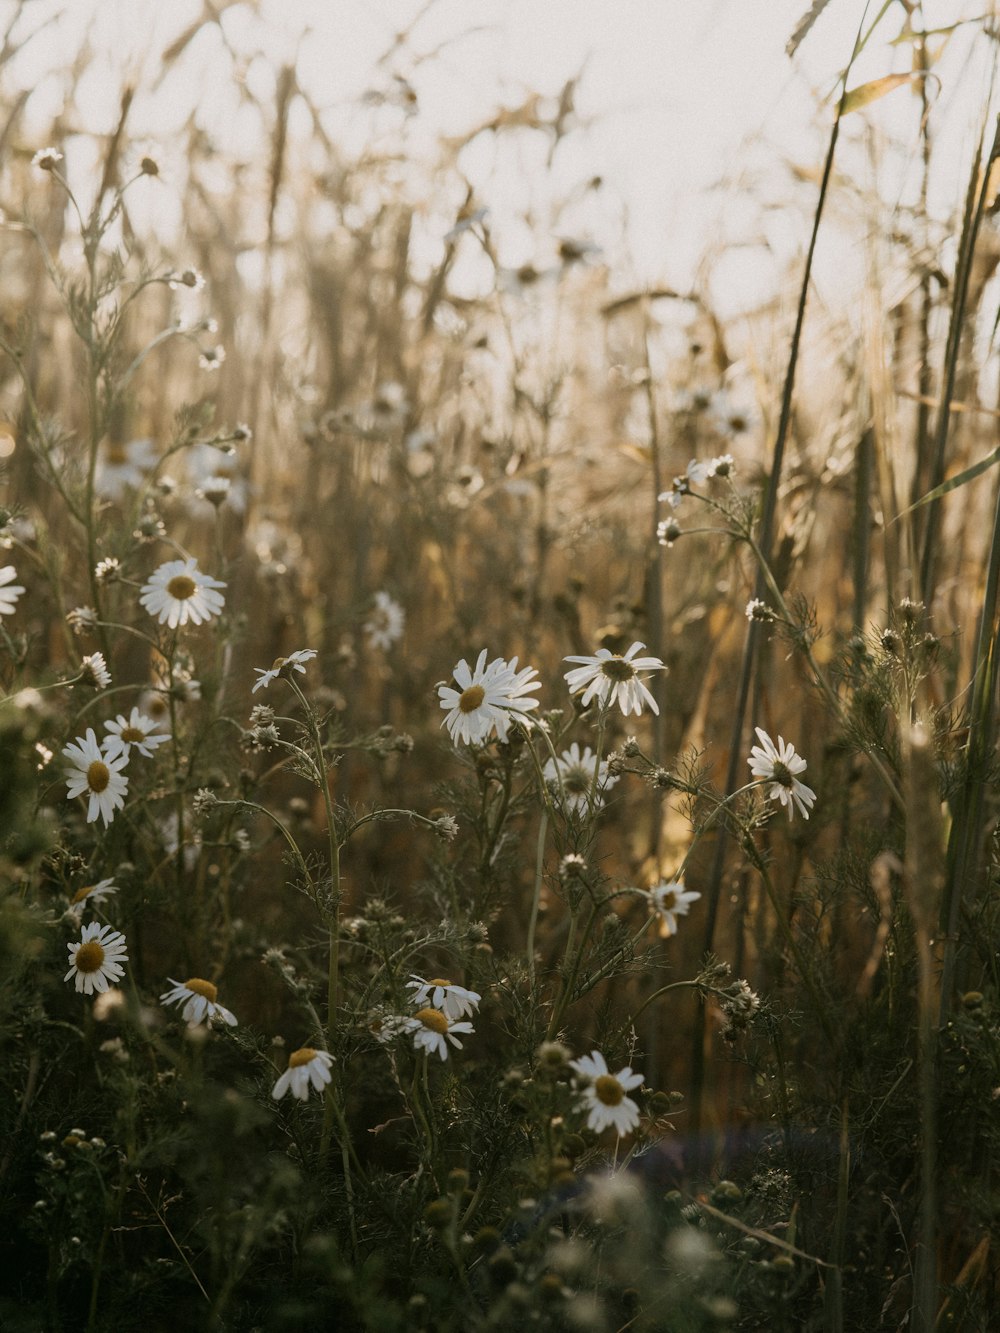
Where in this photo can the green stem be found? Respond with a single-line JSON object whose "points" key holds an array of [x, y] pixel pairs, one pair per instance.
{"points": [[536, 897], [333, 847], [821, 1008]]}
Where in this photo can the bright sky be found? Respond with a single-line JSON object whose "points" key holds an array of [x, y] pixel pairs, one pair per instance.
{"points": [[675, 97]]}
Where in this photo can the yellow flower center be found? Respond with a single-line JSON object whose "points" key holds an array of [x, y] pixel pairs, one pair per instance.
{"points": [[439, 981], [81, 894], [200, 987], [576, 780], [781, 774], [297, 1058], [132, 734], [116, 454], [181, 587], [617, 669], [608, 1090], [98, 776], [668, 900], [89, 957], [470, 699], [433, 1019]]}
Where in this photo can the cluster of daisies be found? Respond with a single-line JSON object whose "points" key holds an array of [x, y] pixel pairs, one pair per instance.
{"points": [[483, 702], [96, 965], [177, 593], [695, 474]]}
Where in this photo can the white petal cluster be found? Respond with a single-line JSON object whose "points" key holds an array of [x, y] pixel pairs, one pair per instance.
{"points": [[613, 678], [282, 666], [95, 960], [453, 1001], [603, 1097], [97, 775], [778, 766], [179, 592], [572, 775], [199, 1000], [486, 699], [306, 1068], [670, 900]]}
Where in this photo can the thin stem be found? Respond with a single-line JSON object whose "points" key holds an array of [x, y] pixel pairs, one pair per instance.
{"points": [[536, 896]]}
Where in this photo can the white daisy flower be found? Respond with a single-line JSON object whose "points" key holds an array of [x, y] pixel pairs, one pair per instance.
{"points": [[699, 473], [387, 1027], [305, 1067], [178, 592], [778, 765], [215, 475], [124, 467], [729, 417], [47, 159], [386, 622], [199, 1000], [94, 671], [670, 900], [106, 571], [96, 775], [9, 592], [82, 619], [430, 1028], [613, 678], [573, 774], [91, 894], [603, 1097], [453, 1001], [96, 960], [212, 357], [137, 729], [283, 666], [487, 699]]}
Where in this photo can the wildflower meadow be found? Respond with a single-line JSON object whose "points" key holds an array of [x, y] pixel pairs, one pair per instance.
{"points": [[498, 782]]}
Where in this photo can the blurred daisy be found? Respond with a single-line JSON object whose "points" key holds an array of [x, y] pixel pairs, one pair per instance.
{"points": [[215, 474], [613, 678], [386, 622], [670, 900], [106, 571], [199, 1000], [178, 592], [778, 765], [453, 1001], [82, 619], [431, 1031], [283, 666], [97, 776], [603, 1097], [729, 417], [91, 895], [94, 671], [698, 473], [47, 159], [137, 729], [573, 774], [124, 467], [486, 699], [386, 1027], [96, 960], [305, 1067], [212, 357], [9, 591]]}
